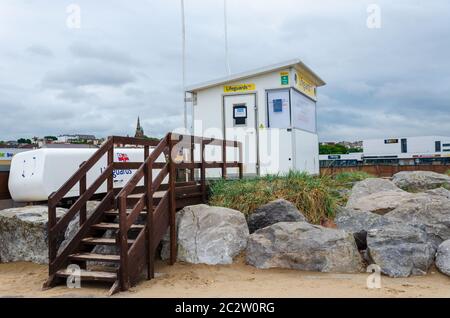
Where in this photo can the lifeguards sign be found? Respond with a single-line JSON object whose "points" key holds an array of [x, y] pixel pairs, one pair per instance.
{"points": [[239, 88], [304, 85]]}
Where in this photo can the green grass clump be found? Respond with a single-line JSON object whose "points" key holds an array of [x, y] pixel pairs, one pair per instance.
{"points": [[448, 172], [316, 196]]}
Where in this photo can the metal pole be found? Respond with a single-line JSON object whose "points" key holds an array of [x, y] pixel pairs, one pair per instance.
{"points": [[227, 62], [183, 52]]}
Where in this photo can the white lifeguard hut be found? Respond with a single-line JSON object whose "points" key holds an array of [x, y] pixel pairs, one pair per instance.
{"points": [[271, 110]]}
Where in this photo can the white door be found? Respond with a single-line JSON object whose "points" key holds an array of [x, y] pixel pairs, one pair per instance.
{"points": [[240, 125]]}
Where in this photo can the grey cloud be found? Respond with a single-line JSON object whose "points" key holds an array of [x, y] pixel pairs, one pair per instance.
{"points": [[391, 81], [39, 50], [84, 75], [102, 53]]}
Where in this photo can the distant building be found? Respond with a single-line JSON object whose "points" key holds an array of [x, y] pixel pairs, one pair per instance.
{"points": [[139, 130], [76, 138], [395, 151]]}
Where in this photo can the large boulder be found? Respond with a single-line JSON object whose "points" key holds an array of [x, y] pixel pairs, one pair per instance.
{"points": [[380, 202], [209, 235], [400, 249], [23, 234], [420, 180], [303, 246], [443, 258], [359, 222], [370, 186], [433, 211], [439, 192], [273, 212]]}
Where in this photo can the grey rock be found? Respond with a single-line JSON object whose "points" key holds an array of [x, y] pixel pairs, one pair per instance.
{"points": [[380, 202], [433, 211], [443, 258], [23, 234], [273, 212], [370, 186], [209, 235], [359, 222], [439, 192], [400, 249], [300, 245], [420, 180]]}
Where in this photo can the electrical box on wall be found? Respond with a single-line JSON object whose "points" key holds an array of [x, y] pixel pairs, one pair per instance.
{"points": [[240, 114]]}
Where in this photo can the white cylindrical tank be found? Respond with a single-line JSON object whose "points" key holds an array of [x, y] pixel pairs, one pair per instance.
{"points": [[35, 174]]}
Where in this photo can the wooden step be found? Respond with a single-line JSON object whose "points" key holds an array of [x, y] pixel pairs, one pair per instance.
{"points": [[116, 213], [114, 226], [101, 241], [94, 257], [89, 275]]}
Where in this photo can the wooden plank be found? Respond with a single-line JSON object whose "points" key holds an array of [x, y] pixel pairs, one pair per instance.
{"points": [[172, 204], [83, 208], [101, 241], [150, 224], [134, 141], [114, 226], [124, 276], [224, 160], [116, 213], [89, 275], [95, 257]]}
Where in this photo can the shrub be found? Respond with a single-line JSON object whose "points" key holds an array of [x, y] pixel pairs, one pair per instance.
{"points": [[316, 196]]}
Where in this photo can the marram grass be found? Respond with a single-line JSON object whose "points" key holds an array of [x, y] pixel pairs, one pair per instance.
{"points": [[316, 196]]}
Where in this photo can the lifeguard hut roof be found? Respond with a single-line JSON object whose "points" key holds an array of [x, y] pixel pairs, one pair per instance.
{"points": [[296, 63]]}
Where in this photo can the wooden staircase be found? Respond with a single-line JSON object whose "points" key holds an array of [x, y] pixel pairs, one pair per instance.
{"points": [[117, 242]]}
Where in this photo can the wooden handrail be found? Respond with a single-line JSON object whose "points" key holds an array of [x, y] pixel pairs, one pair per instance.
{"points": [[162, 215]]}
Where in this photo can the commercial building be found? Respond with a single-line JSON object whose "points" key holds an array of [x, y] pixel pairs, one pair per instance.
{"points": [[395, 150]]}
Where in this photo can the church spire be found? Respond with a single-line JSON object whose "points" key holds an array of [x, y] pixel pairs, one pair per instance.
{"points": [[139, 131]]}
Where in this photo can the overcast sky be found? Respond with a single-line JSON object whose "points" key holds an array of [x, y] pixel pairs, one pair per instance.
{"points": [[125, 61]]}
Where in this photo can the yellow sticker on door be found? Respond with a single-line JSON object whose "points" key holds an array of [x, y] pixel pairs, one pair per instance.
{"points": [[239, 88]]}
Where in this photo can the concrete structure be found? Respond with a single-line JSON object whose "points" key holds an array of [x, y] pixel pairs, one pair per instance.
{"points": [[407, 145], [396, 150], [271, 110], [76, 137]]}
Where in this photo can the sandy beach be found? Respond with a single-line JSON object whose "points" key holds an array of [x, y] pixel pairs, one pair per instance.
{"points": [[236, 280]]}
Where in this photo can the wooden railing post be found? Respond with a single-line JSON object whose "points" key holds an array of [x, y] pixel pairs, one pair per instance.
{"points": [[172, 203], [191, 171], [241, 163], [82, 191], [150, 227], [224, 159], [123, 243], [52, 246], [203, 170], [110, 182]]}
